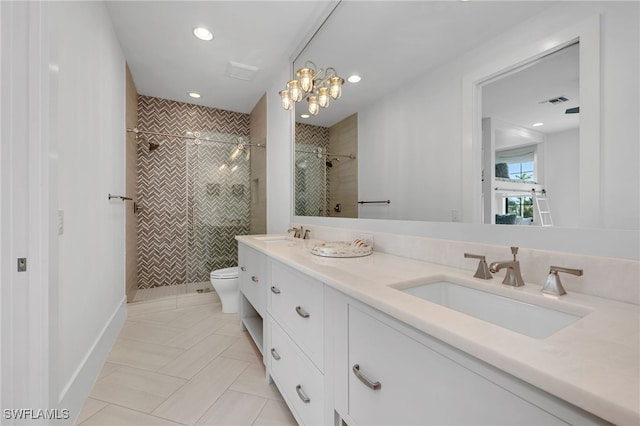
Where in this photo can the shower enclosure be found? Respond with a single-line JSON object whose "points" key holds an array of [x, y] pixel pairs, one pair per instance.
{"points": [[193, 199], [311, 180]]}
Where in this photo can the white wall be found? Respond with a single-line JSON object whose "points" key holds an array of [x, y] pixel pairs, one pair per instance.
{"points": [[24, 206], [620, 154], [409, 151], [89, 157], [279, 157], [562, 177], [620, 133], [423, 178]]}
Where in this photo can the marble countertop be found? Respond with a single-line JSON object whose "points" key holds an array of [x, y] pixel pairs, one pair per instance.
{"points": [[593, 363]]}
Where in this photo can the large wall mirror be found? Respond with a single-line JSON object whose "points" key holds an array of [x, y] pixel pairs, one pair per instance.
{"points": [[395, 145]]}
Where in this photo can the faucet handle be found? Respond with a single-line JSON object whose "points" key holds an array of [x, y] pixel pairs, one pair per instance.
{"points": [[305, 236], [553, 285], [514, 252], [483, 268]]}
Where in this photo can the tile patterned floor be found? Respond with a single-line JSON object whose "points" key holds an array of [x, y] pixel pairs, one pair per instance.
{"points": [[181, 361]]}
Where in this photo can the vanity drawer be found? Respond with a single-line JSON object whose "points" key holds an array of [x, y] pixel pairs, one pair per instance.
{"points": [[253, 277], [297, 303], [394, 379], [299, 381]]}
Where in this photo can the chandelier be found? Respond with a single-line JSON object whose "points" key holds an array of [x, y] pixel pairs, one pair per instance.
{"points": [[316, 86]]}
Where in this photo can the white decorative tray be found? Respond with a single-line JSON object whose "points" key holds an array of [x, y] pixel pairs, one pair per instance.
{"points": [[357, 248]]}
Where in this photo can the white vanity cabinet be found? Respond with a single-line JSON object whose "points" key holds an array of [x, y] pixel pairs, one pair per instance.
{"points": [[253, 277], [253, 274], [298, 379], [296, 343], [388, 373], [297, 304], [338, 360], [394, 379]]}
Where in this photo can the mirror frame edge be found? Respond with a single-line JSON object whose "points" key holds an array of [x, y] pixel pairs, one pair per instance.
{"points": [[613, 242]]}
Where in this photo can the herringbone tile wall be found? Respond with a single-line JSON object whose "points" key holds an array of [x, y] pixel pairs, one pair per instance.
{"points": [[311, 177], [191, 205]]}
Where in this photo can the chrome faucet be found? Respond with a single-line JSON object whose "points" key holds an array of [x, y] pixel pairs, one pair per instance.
{"points": [[553, 284], [513, 277]]}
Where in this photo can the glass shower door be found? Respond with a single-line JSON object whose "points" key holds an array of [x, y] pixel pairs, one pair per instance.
{"points": [[311, 181], [218, 207]]}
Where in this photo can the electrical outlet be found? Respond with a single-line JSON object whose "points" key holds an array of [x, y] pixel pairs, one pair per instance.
{"points": [[455, 215], [22, 264]]}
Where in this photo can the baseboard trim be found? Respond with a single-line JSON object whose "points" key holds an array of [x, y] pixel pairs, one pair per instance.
{"points": [[77, 389]]}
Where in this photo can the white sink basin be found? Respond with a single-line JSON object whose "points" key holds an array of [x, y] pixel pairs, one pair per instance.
{"points": [[522, 317], [274, 239]]}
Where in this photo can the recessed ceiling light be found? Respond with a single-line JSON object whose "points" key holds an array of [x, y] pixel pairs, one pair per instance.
{"points": [[203, 34], [194, 94], [354, 78], [537, 124], [304, 116]]}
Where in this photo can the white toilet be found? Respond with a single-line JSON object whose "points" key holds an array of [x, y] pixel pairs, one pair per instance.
{"points": [[225, 283]]}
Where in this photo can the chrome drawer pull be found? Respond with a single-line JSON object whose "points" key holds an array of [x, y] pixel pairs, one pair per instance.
{"points": [[243, 269], [364, 379], [302, 395], [254, 278], [275, 290], [302, 312], [275, 354]]}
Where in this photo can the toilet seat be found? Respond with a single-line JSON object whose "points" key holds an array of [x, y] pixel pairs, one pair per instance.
{"points": [[226, 273]]}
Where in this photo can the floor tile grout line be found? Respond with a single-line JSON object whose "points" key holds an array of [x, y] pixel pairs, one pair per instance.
{"points": [[230, 390], [189, 380], [143, 371], [143, 320], [79, 424], [129, 408]]}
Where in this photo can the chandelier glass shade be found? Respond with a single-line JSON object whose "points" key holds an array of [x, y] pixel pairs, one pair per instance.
{"points": [[318, 87]]}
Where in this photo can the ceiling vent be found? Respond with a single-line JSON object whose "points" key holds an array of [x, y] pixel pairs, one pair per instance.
{"points": [[241, 71], [557, 100]]}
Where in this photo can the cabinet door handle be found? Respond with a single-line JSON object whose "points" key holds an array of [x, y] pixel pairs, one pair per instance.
{"points": [[275, 290], [302, 395], [243, 269], [275, 354], [364, 379], [254, 278], [302, 312]]}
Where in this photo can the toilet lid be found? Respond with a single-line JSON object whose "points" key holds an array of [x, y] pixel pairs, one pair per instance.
{"points": [[225, 273]]}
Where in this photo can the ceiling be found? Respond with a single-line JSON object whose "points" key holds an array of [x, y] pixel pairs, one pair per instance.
{"points": [[167, 61], [388, 42], [519, 97], [393, 43]]}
